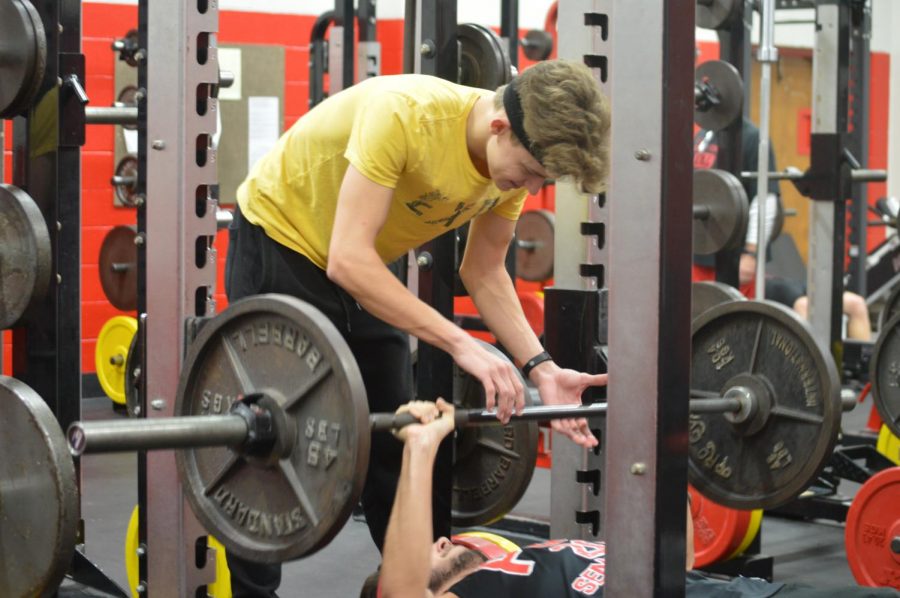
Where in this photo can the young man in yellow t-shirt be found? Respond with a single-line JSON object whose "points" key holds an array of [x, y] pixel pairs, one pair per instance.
{"points": [[379, 169]]}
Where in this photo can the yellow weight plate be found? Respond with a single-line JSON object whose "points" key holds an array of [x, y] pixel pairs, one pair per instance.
{"points": [[111, 355], [752, 531], [220, 588], [504, 543], [888, 444]]}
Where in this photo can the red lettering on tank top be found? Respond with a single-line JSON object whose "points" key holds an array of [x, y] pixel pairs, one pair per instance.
{"points": [[510, 564], [583, 548], [591, 579]]}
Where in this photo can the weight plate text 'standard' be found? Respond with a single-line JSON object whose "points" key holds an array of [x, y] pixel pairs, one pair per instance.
{"points": [[293, 503]]}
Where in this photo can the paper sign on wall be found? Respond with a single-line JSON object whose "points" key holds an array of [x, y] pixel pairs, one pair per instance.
{"points": [[262, 127]]}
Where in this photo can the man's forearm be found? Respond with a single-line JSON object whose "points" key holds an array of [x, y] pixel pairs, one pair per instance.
{"points": [[497, 302], [406, 568], [380, 292]]}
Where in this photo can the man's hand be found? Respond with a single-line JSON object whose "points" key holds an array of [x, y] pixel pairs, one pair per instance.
{"points": [[436, 422], [560, 386], [503, 388], [747, 268]]}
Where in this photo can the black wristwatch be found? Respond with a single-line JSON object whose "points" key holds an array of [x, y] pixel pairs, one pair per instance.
{"points": [[534, 362]]}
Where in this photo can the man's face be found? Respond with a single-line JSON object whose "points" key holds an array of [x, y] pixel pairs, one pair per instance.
{"points": [[512, 166], [448, 561]]}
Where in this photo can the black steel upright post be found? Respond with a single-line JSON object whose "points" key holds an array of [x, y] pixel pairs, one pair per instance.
{"points": [[344, 17], [509, 28], [141, 191], [47, 164], [734, 47], [858, 142], [434, 52]]}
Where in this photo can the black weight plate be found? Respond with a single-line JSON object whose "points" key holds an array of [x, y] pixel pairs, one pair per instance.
{"points": [[725, 225], [718, 14], [534, 245], [537, 45], [885, 374], [25, 255], [891, 308], [770, 459], [117, 264], [708, 293], [274, 512], [725, 82], [483, 61], [493, 464], [24, 56], [39, 508]]}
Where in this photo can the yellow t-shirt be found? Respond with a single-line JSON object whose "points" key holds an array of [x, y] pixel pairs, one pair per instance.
{"points": [[405, 132]]}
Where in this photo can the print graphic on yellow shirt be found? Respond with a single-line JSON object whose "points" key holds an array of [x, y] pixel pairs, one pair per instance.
{"points": [[404, 132]]}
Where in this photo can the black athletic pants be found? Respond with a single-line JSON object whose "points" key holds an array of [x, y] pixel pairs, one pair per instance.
{"points": [[257, 264]]}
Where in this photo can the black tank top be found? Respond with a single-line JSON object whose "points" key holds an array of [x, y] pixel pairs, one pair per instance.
{"points": [[554, 568]]}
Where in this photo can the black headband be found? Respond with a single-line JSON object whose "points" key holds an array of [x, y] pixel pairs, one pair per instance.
{"points": [[513, 106]]}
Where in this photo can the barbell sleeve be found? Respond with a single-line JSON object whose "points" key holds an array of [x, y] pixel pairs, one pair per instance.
{"points": [[111, 115], [194, 431], [860, 175]]}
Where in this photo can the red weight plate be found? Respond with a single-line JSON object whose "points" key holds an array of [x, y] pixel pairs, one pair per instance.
{"points": [[718, 530], [118, 267], [872, 534]]}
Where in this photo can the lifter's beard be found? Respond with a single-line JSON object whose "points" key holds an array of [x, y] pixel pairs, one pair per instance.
{"points": [[463, 561]]}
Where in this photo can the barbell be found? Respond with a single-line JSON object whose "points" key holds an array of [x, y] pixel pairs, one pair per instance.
{"points": [[255, 425], [273, 421]]}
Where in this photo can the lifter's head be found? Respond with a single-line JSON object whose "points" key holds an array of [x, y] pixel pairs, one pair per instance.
{"points": [[449, 563], [556, 110]]}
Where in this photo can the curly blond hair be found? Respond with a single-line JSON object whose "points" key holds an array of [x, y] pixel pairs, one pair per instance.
{"points": [[567, 118]]}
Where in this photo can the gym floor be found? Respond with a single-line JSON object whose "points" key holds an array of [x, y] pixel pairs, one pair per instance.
{"points": [[807, 552]]}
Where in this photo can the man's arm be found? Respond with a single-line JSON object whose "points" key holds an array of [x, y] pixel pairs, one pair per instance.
{"points": [[483, 271], [406, 569], [747, 268], [355, 265]]}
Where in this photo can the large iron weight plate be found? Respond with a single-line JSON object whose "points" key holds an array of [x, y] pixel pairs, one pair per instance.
{"points": [[23, 57], [25, 255], [483, 61], [725, 225], [725, 82], [717, 14], [706, 294], [118, 267], [493, 464], [771, 458], [279, 345], [872, 531], [885, 374], [534, 245], [38, 496], [891, 308]]}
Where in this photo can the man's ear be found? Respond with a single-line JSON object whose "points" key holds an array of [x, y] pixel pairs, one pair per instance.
{"points": [[499, 124]]}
